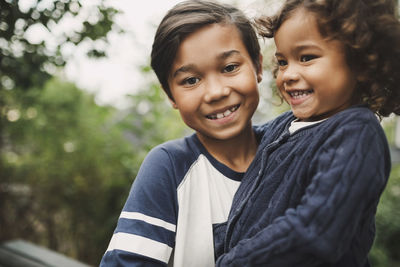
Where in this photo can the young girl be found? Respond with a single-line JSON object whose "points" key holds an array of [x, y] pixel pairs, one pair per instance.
{"points": [[310, 196], [207, 58]]}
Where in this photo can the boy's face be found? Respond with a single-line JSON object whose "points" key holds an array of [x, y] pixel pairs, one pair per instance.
{"points": [[313, 76], [214, 83]]}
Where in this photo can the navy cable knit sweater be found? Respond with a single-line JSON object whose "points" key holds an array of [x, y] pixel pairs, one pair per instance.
{"points": [[310, 198]]}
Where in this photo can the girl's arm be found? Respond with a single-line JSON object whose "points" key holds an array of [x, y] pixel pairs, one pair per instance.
{"points": [[352, 170]]}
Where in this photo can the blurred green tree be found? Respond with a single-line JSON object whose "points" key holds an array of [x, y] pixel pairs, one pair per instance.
{"points": [[30, 125], [68, 169], [384, 252], [28, 60]]}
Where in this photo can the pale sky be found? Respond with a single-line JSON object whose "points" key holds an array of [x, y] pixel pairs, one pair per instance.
{"points": [[113, 77]]}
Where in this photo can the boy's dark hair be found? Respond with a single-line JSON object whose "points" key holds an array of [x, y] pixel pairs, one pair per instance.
{"points": [[370, 32], [187, 17]]}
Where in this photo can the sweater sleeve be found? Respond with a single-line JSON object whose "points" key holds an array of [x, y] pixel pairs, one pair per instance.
{"points": [[145, 234], [348, 176]]}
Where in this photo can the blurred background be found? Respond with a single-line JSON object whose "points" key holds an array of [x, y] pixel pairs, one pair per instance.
{"points": [[79, 110]]}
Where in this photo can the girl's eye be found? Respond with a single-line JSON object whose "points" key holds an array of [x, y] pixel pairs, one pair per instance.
{"points": [[191, 81], [230, 68], [306, 58], [281, 62]]}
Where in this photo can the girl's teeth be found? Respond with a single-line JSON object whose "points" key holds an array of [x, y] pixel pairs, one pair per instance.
{"points": [[299, 94]]}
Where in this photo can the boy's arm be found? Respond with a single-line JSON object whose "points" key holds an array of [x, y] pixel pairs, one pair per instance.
{"points": [[145, 234], [352, 170]]}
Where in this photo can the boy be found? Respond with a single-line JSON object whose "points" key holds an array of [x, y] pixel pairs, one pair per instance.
{"points": [[207, 59]]}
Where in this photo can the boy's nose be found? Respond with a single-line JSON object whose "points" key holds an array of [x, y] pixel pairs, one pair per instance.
{"points": [[215, 91]]}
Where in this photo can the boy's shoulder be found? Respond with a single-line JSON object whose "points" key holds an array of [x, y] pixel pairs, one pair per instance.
{"points": [[179, 157], [184, 148], [171, 159]]}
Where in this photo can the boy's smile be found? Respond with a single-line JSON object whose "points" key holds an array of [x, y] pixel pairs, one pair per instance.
{"points": [[313, 76], [214, 82], [223, 113]]}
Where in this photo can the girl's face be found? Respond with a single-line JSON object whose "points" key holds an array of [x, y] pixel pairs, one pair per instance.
{"points": [[313, 75], [214, 83]]}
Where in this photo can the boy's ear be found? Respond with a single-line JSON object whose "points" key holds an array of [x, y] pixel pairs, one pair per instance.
{"points": [[259, 77], [260, 69], [173, 104]]}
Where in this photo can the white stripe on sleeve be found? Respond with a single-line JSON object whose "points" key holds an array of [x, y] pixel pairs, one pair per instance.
{"points": [[148, 219], [140, 245]]}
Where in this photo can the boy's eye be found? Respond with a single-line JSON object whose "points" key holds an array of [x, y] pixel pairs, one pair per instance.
{"points": [[191, 81], [306, 58], [230, 68]]}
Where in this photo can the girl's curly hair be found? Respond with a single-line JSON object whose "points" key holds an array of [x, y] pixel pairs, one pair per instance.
{"points": [[370, 32]]}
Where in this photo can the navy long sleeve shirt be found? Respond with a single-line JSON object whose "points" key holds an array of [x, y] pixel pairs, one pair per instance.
{"points": [[310, 198]]}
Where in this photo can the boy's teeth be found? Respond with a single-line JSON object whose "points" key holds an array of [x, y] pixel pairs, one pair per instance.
{"points": [[226, 113], [223, 114]]}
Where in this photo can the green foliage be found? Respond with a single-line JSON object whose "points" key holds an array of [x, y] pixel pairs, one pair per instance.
{"points": [[384, 252], [69, 172], [25, 64], [386, 247], [64, 164]]}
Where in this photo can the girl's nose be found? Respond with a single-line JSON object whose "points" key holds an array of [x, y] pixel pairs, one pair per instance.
{"points": [[290, 74]]}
